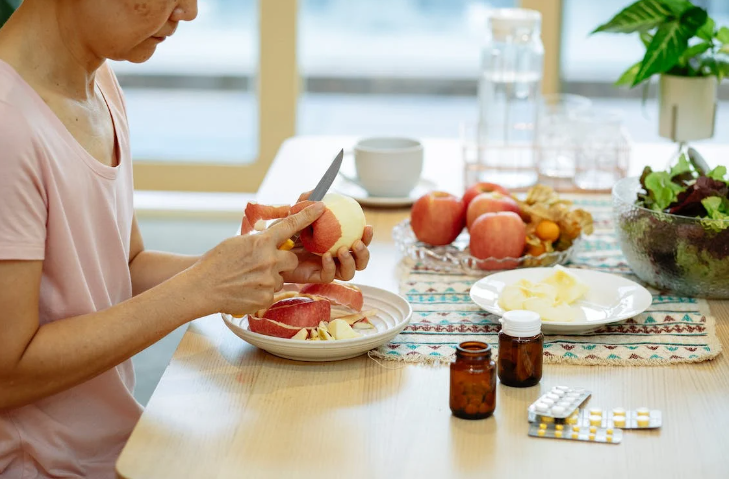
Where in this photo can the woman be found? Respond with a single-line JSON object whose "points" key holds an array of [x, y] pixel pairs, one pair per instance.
{"points": [[79, 294]]}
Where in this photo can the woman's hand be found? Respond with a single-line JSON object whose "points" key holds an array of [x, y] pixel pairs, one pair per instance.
{"points": [[324, 269], [241, 274]]}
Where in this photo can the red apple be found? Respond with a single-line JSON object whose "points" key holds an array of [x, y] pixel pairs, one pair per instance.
{"points": [[437, 218], [483, 187], [287, 317], [340, 293], [342, 224], [272, 328], [489, 203], [497, 235], [300, 311]]}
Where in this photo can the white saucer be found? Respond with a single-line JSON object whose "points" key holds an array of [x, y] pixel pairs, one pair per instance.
{"points": [[610, 298], [341, 185]]}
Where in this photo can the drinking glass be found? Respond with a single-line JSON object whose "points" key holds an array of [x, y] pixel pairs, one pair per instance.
{"points": [[603, 148], [556, 149]]}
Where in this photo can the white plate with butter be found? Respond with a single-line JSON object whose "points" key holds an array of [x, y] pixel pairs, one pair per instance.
{"points": [[608, 298]]}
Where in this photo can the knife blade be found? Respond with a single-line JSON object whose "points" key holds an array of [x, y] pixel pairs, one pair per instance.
{"points": [[329, 176], [319, 191]]}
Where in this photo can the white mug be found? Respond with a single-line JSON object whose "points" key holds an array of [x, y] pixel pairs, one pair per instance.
{"points": [[388, 166]]}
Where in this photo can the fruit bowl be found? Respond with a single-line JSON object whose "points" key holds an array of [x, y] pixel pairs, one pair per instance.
{"points": [[455, 257], [688, 256]]}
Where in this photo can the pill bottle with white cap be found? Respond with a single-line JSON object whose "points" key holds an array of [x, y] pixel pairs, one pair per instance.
{"points": [[519, 359]]}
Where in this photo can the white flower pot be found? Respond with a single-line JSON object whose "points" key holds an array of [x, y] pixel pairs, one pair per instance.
{"points": [[687, 107]]}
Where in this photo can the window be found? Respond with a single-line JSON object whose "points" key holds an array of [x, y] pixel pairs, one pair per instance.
{"points": [[194, 100], [406, 67]]}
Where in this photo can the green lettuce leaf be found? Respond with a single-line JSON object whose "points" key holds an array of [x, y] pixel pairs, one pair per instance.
{"points": [[718, 173], [717, 208], [662, 190], [681, 167]]}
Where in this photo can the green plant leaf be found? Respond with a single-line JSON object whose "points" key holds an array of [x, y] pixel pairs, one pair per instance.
{"points": [[669, 43], [646, 38], [6, 9], [722, 35], [707, 31], [627, 77], [639, 16], [694, 51], [662, 190], [678, 7], [718, 173]]}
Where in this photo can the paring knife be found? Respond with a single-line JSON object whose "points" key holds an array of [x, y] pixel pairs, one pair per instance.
{"points": [[320, 190], [329, 176]]}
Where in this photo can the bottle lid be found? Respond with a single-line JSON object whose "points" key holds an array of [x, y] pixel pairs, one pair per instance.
{"points": [[521, 324], [506, 21]]}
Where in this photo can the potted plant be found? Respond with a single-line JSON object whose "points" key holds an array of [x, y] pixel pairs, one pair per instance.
{"points": [[683, 46]]}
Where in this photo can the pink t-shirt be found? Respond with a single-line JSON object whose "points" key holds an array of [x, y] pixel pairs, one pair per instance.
{"points": [[60, 205]]}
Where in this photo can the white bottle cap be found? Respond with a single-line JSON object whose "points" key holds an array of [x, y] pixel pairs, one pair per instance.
{"points": [[521, 324], [504, 22]]}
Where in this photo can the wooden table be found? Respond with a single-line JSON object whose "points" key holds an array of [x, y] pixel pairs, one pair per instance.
{"points": [[224, 409]]}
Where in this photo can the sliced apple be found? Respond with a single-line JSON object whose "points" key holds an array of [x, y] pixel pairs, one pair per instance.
{"points": [[301, 335], [271, 328], [341, 293], [324, 334], [299, 312], [341, 330]]}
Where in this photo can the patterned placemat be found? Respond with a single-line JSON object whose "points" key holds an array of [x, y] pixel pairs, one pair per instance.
{"points": [[673, 330]]}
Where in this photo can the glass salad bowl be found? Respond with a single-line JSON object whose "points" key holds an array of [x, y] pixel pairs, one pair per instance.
{"points": [[684, 255]]}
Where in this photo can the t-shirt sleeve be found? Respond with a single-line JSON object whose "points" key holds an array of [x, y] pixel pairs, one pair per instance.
{"points": [[23, 200]]}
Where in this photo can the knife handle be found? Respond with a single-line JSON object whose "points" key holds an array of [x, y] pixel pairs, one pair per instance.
{"points": [[287, 245]]}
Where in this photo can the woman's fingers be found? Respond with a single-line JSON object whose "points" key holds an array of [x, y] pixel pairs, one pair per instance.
{"points": [[362, 255], [329, 269], [347, 264], [367, 235], [286, 261], [286, 228], [279, 282]]}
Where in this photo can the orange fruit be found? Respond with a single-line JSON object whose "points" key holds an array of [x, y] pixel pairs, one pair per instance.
{"points": [[535, 250], [548, 231]]}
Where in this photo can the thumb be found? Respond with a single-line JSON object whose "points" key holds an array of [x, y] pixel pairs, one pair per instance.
{"points": [[292, 224]]}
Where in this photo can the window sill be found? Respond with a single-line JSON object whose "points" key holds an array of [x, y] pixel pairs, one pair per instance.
{"points": [[183, 204]]}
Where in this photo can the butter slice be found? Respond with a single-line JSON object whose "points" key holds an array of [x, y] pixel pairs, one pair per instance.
{"points": [[569, 288]]}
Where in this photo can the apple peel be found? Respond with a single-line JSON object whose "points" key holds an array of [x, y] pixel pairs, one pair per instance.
{"points": [[255, 216]]}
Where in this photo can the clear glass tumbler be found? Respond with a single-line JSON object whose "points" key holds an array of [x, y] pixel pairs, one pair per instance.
{"points": [[556, 142], [603, 149]]}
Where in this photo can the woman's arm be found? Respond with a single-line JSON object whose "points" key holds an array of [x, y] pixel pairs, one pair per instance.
{"points": [[36, 362], [150, 268], [238, 276]]}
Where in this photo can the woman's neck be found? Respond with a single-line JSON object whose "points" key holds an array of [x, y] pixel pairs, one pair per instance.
{"points": [[40, 41]]}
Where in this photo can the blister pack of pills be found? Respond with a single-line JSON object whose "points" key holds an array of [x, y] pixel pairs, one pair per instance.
{"points": [[559, 403], [576, 433], [640, 418]]}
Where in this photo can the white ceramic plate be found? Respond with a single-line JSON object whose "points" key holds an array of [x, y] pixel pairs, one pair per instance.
{"points": [[394, 313], [610, 298], [345, 187]]}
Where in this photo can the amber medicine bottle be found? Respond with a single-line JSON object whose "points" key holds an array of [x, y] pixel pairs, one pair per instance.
{"points": [[473, 381], [519, 359]]}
